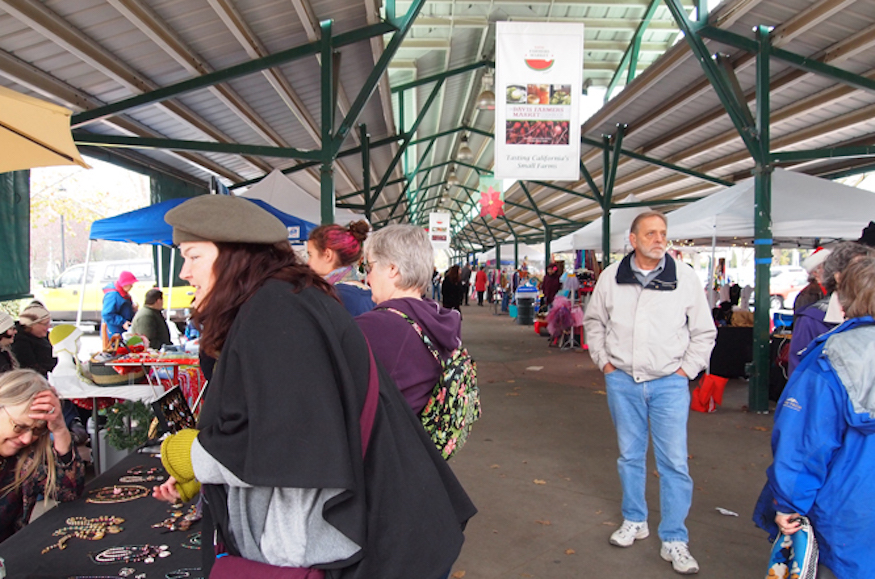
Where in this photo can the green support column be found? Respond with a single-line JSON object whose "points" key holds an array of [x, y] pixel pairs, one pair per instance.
{"points": [[326, 170], [498, 256], [606, 202], [516, 253], [365, 138], [758, 395], [548, 239]]}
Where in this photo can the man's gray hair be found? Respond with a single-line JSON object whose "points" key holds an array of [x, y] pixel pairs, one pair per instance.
{"points": [[642, 216], [408, 248]]}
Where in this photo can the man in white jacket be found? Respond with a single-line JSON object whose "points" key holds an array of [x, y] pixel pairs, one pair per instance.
{"points": [[649, 329]]}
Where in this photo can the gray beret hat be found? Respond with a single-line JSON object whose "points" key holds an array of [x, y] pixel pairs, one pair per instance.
{"points": [[224, 218]]}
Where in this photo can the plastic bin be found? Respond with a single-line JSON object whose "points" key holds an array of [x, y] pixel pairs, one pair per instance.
{"points": [[525, 307]]}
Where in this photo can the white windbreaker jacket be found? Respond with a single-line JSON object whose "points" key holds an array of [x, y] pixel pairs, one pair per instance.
{"points": [[650, 332]]}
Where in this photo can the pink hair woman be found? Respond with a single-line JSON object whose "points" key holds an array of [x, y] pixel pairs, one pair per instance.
{"points": [[334, 251]]}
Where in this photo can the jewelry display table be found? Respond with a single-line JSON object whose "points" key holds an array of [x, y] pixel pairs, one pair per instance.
{"points": [[23, 550]]}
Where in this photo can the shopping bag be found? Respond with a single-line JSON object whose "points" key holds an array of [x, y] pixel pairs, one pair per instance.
{"points": [[794, 556], [708, 395]]}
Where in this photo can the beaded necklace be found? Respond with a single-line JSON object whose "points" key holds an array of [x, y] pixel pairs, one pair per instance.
{"points": [[178, 520], [186, 573], [193, 542], [130, 554], [87, 529], [118, 494]]}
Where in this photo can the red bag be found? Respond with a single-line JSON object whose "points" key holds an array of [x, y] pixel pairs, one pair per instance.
{"points": [[708, 395]]}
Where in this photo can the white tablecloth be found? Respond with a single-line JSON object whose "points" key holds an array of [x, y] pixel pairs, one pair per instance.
{"points": [[70, 386]]}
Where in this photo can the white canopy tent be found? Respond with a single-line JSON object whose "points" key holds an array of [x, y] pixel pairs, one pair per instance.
{"points": [[282, 193], [804, 208], [533, 254], [590, 236]]}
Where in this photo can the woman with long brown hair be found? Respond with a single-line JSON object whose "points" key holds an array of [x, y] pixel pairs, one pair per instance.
{"points": [[37, 455], [296, 471]]}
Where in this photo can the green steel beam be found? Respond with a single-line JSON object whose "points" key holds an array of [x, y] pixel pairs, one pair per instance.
{"points": [[849, 172], [532, 201], [758, 393], [437, 135], [373, 79], [630, 56], [607, 193], [443, 75], [84, 138], [615, 157], [831, 153], [564, 190], [652, 161], [657, 202], [328, 105], [406, 142], [365, 140], [590, 182], [795, 60], [700, 51], [548, 240], [230, 73], [724, 67], [362, 191], [405, 190]]}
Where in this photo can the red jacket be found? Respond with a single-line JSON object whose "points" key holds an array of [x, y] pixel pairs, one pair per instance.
{"points": [[480, 281]]}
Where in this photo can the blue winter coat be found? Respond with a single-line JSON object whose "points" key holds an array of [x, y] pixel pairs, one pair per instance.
{"points": [[824, 451], [116, 310]]}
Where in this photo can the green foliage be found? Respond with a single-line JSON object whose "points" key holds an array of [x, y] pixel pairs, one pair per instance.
{"points": [[12, 307], [127, 424]]}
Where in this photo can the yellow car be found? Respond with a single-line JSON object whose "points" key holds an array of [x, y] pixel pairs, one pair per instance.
{"points": [[62, 296]]}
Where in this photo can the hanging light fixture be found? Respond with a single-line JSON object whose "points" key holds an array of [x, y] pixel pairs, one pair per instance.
{"points": [[452, 180], [486, 100], [465, 153]]}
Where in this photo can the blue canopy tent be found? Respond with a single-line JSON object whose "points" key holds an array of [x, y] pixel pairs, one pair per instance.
{"points": [[147, 226]]}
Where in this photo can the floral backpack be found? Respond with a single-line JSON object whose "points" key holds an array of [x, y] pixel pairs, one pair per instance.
{"points": [[454, 405]]}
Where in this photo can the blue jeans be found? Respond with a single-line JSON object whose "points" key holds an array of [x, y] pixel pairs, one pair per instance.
{"points": [[665, 403]]}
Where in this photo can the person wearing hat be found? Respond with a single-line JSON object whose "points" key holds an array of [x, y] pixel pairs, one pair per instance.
{"points": [[8, 361], [815, 319], [31, 346], [294, 471], [814, 291], [118, 306]]}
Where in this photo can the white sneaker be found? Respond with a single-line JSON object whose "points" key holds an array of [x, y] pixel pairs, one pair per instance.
{"points": [[628, 533], [678, 553]]}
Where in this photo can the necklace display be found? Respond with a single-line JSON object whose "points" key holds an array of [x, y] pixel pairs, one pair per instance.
{"points": [[140, 478], [118, 494], [142, 470], [87, 529], [193, 542], [129, 571], [130, 554], [186, 573], [178, 520]]}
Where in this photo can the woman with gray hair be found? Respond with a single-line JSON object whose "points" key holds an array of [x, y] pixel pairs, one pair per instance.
{"points": [[399, 260]]}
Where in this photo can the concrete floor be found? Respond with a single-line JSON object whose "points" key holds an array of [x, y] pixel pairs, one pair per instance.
{"points": [[541, 467]]}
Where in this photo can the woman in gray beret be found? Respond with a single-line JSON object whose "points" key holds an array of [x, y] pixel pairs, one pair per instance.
{"points": [[296, 469]]}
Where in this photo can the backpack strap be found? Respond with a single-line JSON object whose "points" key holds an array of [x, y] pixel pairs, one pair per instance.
{"points": [[426, 340]]}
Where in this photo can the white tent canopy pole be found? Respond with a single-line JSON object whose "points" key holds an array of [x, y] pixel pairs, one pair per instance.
{"points": [[84, 282], [170, 284]]}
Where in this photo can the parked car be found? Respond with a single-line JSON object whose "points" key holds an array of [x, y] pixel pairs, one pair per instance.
{"points": [[62, 295], [785, 283]]}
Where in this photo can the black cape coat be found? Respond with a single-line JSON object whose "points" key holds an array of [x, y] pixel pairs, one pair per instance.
{"points": [[283, 410]]}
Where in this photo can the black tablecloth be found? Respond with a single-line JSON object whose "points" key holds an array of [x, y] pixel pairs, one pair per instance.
{"points": [[22, 551], [733, 349]]}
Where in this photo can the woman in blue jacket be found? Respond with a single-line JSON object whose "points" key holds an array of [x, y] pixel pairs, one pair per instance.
{"points": [[823, 443]]}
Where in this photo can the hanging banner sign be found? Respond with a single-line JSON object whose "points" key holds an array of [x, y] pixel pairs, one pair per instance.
{"points": [[439, 230], [491, 197], [538, 78]]}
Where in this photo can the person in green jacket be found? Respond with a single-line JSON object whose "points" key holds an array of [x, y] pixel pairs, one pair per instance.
{"points": [[150, 323]]}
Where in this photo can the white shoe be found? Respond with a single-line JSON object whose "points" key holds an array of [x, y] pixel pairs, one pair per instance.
{"points": [[628, 533], [678, 553]]}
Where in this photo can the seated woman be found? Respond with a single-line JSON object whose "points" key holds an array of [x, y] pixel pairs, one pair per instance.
{"points": [[297, 470], [333, 253], [8, 361], [824, 437], [398, 259], [37, 455]]}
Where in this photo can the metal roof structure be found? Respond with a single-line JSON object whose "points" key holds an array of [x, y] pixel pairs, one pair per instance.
{"points": [[364, 104]]}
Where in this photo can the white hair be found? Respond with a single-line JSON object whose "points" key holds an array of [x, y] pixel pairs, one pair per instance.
{"points": [[406, 247]]}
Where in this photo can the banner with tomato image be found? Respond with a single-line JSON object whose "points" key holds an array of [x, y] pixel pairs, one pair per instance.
{"points": [[538, 77], [491, 197], [439, 229]]}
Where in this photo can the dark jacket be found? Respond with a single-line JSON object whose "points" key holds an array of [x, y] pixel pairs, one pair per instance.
{"points": [[550, 287], [284, 410], [402, 352], [32, 352], [356, 297], [116, 310], [807, 326], [150, 323], [452, 294], [6, 360]]}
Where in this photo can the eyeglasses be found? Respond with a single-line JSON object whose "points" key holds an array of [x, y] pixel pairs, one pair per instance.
{"points": [[368, 266], [37, 429]]}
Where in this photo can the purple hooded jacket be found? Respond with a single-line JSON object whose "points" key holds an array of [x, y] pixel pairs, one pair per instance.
{"points": [[401, 351]]}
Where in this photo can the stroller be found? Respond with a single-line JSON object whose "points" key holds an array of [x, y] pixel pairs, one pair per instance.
{"points": [[562, 318]]}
